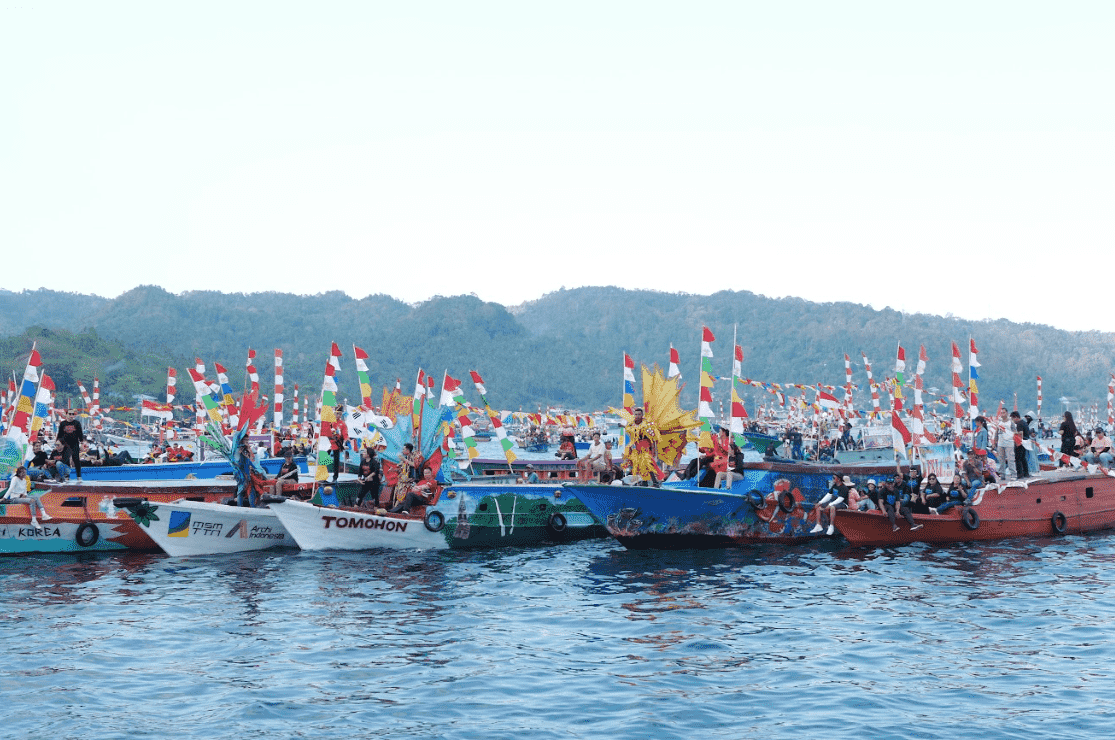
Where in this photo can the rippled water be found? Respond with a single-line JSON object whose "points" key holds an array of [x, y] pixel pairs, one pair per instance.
{"points": [[1008, 640]]}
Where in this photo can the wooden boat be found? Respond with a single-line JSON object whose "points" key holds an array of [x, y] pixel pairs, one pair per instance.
{"points": [[186, 527], [461, 516], [773, 503], [1051, 503]]}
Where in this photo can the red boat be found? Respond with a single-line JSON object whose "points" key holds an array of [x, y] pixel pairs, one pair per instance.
{"points": [[1056, 502]]}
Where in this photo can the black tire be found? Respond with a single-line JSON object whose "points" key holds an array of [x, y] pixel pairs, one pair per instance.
{"points": [[970, 519], [1060, 522], [126, 503], [87, 534], [434, 521], [557, 522], [787, 502], [756, 499]]}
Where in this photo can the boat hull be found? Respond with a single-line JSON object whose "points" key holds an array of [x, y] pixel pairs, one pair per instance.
{"points": [[775, 502], [1049, 505], [184, 527], [86, 518], [316, 527], [465, 516]]}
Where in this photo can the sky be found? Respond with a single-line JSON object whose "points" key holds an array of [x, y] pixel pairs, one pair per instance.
{"points": [[944, 158]]}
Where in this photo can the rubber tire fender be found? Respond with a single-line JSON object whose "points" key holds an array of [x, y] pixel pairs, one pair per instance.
{"points": [[756, 499], [787, 502], [1060, 522], [557, 522], [87, 534], [126, 503], [970, 518], [434, 521]]}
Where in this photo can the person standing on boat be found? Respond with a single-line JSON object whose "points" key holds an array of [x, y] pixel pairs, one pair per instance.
{"points": [[371, 477], [1069, 437], [642, 450], [71, 435], [337, 439], [1021, 435], [979, 441], [1004, 446]]}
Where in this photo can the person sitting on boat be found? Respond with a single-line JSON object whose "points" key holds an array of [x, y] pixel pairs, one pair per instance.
{"points": [[37, 467], [21, 489], [869, 499], [933, 494], [954, 496], [891, 497], [416, 495], [608, 473], [836, 497], [58, 469], [529, 475], [914, 492], [1100, 450], [727, 460], [567, 448], [642, 450], [971, 475], [288, 474], [593, 461]]}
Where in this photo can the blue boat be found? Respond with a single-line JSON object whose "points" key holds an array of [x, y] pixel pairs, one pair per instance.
{"points": [[775, 502], [177, 470]]}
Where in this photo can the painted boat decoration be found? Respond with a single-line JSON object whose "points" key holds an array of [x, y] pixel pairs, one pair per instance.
{"points": [[185, 527], [1052, 503], [207, 469], [92, 516], [462, 516], [775, 502]]}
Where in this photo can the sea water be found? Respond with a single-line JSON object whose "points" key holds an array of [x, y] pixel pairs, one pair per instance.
{"points": [[588, 640]]}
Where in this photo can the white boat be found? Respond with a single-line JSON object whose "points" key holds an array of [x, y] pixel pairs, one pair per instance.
{"points": [[186, 527], [328, 528]]}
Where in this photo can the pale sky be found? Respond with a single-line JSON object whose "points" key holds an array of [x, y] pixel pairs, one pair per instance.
{"points": [[945, 157]]}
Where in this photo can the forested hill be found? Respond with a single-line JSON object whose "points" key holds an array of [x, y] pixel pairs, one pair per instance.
{"points": [[563, 349]]}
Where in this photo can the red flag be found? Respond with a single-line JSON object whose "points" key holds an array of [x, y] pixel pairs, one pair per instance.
{"points": [[707, 335]]}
